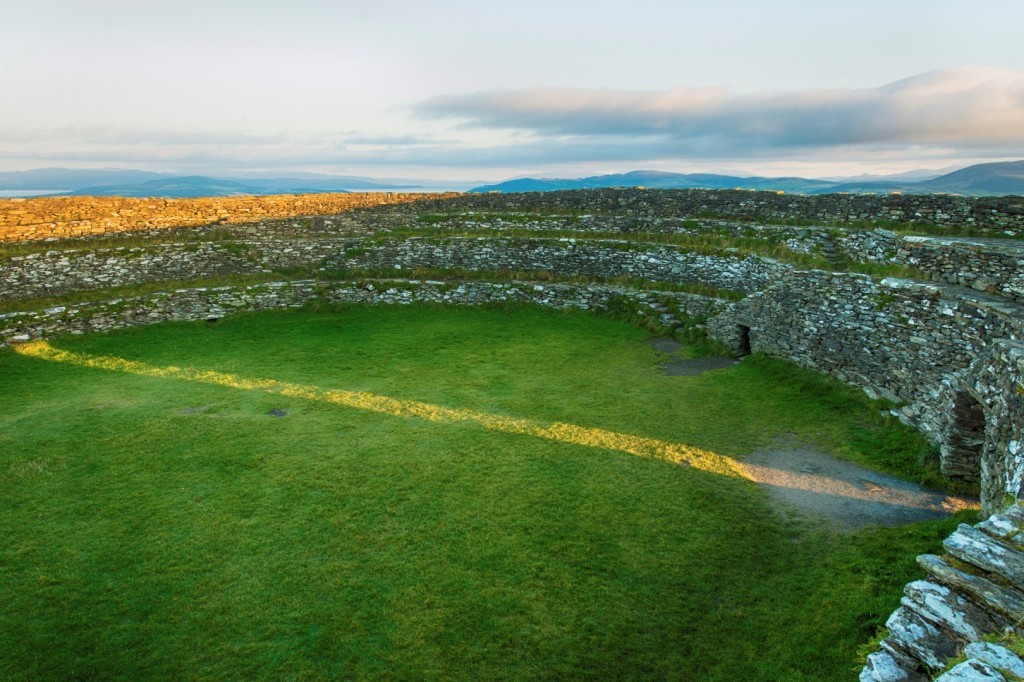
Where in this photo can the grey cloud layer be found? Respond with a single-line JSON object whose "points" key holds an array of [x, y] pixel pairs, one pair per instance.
{"points": [[942, 115], [963, 108]]}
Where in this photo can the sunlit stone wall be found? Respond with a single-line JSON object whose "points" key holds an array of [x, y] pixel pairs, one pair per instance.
{"points": [[62, 217]]}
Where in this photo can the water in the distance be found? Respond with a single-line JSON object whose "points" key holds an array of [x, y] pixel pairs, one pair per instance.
{"points": [[11, 193]]}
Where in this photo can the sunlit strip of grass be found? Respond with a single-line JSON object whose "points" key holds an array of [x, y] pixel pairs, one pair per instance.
{"points": [[146, 541], [565, 433]]}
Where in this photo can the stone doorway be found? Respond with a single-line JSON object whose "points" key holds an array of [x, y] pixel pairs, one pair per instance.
{"points": [[744, 340], [965, 438]]}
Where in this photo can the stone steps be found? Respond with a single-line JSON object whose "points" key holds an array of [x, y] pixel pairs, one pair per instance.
{"points": [[976, 590], [972, 546], [834, 253], [982, 591]]}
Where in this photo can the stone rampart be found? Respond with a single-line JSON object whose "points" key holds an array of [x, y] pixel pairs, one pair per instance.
{"points": [[213, 303], [983, 213], [593, 258], [64, 217], [907, 341], [993, 266], [57, 272], [951, 349], [912, 342]]}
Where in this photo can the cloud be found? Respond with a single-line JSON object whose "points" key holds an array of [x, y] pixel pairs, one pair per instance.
{"points": [[963, 108], [937, 118]]}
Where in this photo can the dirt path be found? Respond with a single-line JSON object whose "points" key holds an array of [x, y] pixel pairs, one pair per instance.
{"points": [[689, 367], [844, 493]]}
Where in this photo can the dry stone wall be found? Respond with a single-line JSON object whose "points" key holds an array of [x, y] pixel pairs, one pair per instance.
{"points": [[897, 338], [64, 217], [912, 342], [210, 304], [995, 383], [993, 266], [971, 592], [603, 259], [58, 272], [994, 214]]}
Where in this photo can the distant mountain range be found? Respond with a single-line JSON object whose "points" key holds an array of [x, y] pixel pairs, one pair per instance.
{"points": [[134, 183], [978, 180]]}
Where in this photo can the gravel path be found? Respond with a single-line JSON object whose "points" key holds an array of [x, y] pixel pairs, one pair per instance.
{"points": [[846, 495], [843, 493]]}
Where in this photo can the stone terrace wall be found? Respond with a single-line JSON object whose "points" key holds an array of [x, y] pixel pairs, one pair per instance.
{"points": [[897, 338], [213, 303], [603, 259], [914, 342], [993, 266], [59, 272], [64, 217], [984, 213]]}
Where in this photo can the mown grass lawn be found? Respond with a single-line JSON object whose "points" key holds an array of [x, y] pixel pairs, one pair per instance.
{"points": [[142, 538]]}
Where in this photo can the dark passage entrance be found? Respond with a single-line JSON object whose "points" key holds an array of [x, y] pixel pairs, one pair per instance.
{"points": [[744, 348], [961, 453]]}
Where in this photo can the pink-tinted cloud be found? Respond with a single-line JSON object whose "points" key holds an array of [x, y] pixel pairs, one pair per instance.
{"points": [[969, 108]]}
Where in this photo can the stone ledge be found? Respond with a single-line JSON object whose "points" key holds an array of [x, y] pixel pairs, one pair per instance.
{"points": [[942, 619], [204, 303]]}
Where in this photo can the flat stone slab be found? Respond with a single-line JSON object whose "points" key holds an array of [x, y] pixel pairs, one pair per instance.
{"points": [[689, 368], [843, 493], [971, 671], [277, 413], [665, 344], [995, 598], [969, 544], [997, 656]]}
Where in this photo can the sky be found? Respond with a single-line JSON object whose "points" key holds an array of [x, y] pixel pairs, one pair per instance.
{"points": [[457, 90]]}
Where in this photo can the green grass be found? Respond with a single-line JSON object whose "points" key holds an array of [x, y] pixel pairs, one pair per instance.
{"points": [[143, 543]]}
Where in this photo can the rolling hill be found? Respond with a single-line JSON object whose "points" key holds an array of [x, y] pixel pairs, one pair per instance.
{"points": [[132, 183], [978, 180]]}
